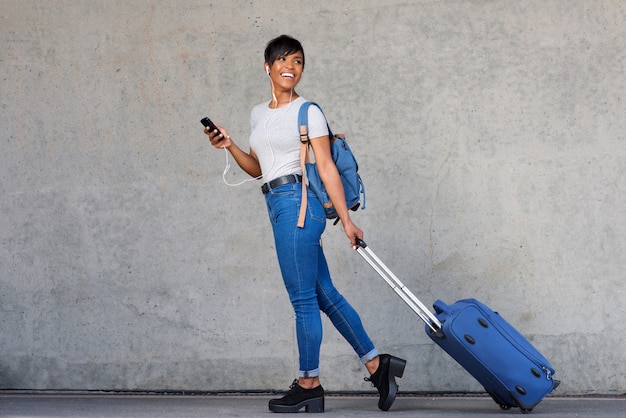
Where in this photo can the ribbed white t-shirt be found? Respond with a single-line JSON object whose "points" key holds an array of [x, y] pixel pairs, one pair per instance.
{"points": [[275, 137]]}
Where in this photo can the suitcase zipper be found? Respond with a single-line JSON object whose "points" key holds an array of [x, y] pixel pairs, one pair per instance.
{"points": [[548, 372]]}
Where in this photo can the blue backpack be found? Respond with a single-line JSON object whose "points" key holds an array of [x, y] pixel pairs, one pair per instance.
{"points": [[345, 162]]}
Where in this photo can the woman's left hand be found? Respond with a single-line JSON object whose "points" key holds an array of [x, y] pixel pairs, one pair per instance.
{"points": [[352, 232]]}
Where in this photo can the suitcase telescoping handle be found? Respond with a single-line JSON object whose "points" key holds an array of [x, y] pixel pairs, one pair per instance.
{"points": [[409, 298]]}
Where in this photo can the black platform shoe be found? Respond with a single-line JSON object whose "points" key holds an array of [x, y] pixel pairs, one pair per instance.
{"points": [[297, 397], [384, 380]]}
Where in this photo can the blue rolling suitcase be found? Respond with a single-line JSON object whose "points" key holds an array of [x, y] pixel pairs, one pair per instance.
{"points": [[510, 369]]}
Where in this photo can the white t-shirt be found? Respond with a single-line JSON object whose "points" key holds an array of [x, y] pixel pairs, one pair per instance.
{"points": [[275, 137]]}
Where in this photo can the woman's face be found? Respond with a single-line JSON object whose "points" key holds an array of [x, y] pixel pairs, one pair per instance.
{"points": [[286, 71]]}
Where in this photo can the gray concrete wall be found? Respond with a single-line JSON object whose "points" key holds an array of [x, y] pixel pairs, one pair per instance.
{"points": [[491, 140]]}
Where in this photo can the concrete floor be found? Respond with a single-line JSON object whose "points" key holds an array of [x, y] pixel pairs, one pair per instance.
{"points": [[189, 406]]}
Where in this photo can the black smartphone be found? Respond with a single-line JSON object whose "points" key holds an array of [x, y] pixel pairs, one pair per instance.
{"points": [[210, 124]]}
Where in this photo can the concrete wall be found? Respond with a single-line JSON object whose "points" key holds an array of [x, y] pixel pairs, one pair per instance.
{"points": [[491, 140]]}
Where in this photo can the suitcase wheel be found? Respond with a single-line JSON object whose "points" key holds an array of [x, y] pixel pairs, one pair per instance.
{"points": [[505, 407]]}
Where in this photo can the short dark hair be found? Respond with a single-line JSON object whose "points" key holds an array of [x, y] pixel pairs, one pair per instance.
{"points": [[282, 46]]}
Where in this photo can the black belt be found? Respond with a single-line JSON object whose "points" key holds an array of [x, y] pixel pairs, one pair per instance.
{"points": [[281, 181]]}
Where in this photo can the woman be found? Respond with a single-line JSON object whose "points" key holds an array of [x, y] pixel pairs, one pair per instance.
{"points": [[275, 155]]}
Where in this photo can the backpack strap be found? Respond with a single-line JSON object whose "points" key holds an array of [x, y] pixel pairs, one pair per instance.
{"points": [[303, 121], [304, 147], [305, 142]]}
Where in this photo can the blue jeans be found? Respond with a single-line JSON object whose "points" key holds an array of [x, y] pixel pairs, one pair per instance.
{"points": [[307, 279]]}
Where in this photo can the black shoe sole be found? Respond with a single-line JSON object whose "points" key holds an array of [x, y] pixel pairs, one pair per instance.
{"points": [[314, 405], [396, 369]]}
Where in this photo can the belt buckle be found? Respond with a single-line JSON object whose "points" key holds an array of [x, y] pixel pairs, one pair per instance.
{"points": [[279, 181]]}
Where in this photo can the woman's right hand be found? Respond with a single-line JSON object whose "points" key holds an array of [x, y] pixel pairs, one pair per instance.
{"points": [[219, 138], [247, 161]]}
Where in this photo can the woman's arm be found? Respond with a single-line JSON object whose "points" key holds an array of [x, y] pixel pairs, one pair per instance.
{"points": [[247, 161], [330, 177]]}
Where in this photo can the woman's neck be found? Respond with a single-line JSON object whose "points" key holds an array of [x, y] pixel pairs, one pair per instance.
{"points": [[283, 99]]}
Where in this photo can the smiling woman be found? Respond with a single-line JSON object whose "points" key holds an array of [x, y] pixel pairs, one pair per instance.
{"points": [[284, 63], [275, 154]]}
